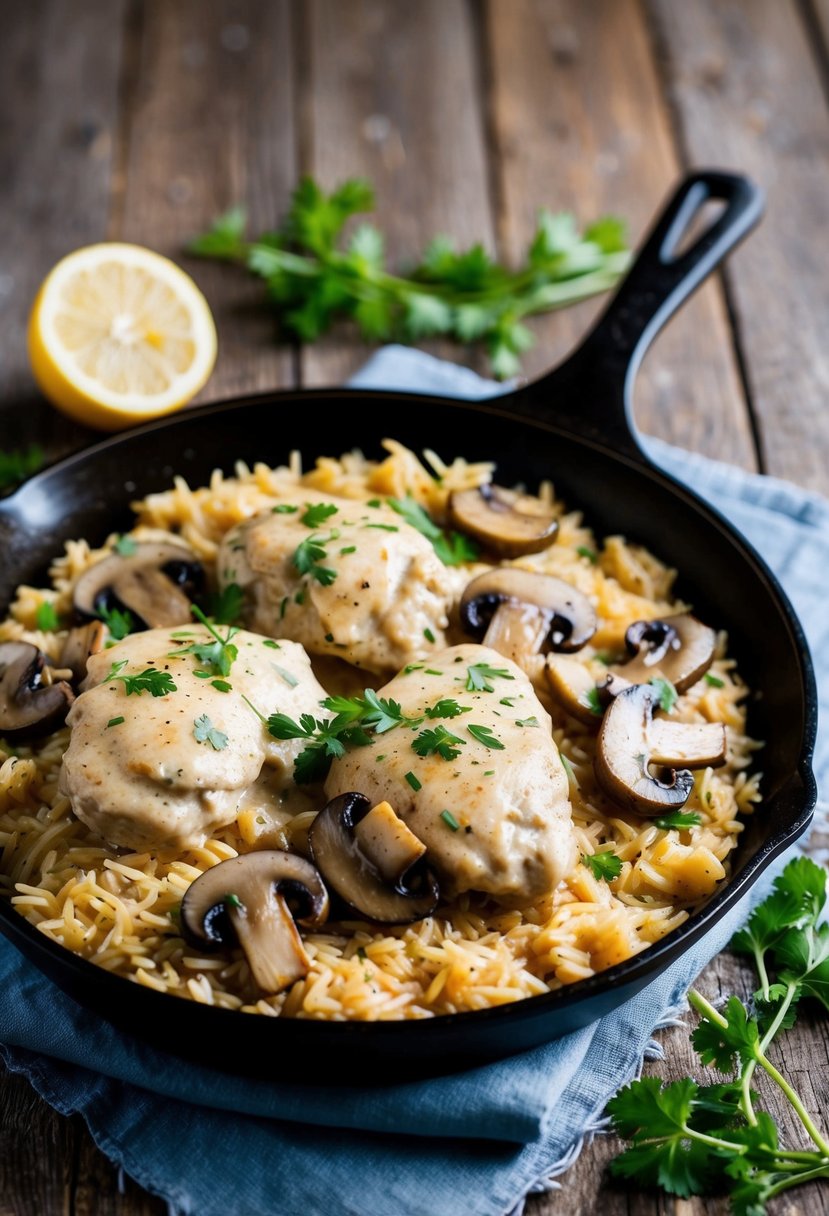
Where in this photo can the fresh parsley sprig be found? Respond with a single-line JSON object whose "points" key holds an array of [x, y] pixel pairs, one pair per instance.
{"points": [[308, 555], [314, 276], [692, 1139], [216, 657], [478, 676], [438, 741], [156, 683]]}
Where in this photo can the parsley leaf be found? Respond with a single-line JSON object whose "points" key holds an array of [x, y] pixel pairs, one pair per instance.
{"points": [[205, 732], [447, 708], [438, 741], [484, 735], [225, 607], [307, 556], [666, 693], [478, 676], [678, 819], [120, 624], [157, 683], [603, 865], [126, 546], [452, 548], [315, 516], [46, 617], [217, 656]]}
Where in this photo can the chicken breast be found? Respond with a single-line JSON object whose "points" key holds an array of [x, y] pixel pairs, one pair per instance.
{"points": [[164, 771], [490, 802], [355, 581]]}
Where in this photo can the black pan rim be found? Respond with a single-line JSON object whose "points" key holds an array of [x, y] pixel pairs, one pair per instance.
{"points": [[640, 967]]}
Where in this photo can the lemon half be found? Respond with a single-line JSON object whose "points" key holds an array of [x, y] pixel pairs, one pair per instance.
{"points": [[119, 335]]}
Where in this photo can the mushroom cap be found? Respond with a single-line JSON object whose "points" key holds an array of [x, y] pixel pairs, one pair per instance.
{"points": [[355, 878], [27, 705], [505, 521], [630, 740], [572, 618], [154, 584], [678, 648], [250, 878]]}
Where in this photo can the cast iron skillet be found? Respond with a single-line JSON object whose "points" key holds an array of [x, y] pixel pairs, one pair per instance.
{"points": [[574, 426]]}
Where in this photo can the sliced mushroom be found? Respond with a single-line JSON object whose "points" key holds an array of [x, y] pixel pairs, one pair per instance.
{"points": [[80, 644], [155, 584], [631, 740], [249, 900], [346, 866], [678, 648], [506, 522], [29, 704], [518, 612]]}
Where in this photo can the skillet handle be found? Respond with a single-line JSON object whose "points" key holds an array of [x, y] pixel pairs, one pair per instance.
{"points": [[590, 394]]}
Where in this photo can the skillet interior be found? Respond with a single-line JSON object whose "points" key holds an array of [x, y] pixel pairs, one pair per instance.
{"points": [[89, 494]]}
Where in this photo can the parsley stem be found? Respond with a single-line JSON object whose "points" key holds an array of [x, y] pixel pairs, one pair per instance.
{"points": [[795, 1101], [779, 1017], [821, 1171], [760, 964], [697, 1001], [745, 1092]]}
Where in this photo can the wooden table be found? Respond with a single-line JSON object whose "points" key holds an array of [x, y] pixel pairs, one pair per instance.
{"points": [[141, 121]]}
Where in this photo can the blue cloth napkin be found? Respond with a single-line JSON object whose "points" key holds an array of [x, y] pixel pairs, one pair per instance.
{"points": [[474, 1143]]}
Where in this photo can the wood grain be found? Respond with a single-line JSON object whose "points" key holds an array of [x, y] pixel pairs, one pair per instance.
{"points": [[209, 123], [58, 101], [747, 93], [392, 96], [580, 123]]}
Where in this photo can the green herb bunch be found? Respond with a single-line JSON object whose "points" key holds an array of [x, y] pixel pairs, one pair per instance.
{"points": [[315, 274], [692, 1139]]}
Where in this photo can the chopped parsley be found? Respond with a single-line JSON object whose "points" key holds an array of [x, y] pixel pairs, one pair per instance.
{"points": [[289, 678], [448, 708], [226, 606], [410, 667], [450, 820], [46, 617], [438, 741], [507, 701], [678, 819], [217, 656], [383, 527], [593, 701], [533, 721], [714, 681], [271, 644], [315, 516], [666, 692], [478, 676], [348, 549], [205, 732], [308, 555], [284, 508], [115, 722], [452, 548], [429, 636], [126, 546], [603, 865], [484, 735], [413, 782], [374, 502], [119, 623], [590, 554], [157, 683], [233, 901], [220, 685]]}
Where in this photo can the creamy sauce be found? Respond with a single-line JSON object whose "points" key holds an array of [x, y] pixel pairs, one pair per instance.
{"points": [[514, 836], [147, 781], [389, 597]]}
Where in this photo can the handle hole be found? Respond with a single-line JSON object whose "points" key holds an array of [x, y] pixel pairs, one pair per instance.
{"points": [[694, 221]]}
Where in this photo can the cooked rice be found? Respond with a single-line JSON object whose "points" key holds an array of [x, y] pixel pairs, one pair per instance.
{"points": [[120, 909]]}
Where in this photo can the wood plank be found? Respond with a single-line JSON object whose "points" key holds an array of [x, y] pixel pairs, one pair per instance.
{"points": [[580, 124], [36, 1153], [748, 94], [210, 124], [393, 97], [58, 98]]}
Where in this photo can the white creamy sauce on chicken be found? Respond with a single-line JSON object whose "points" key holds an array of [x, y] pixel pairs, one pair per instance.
{"points": [[493, 818], [165, 771], [357, 581]]}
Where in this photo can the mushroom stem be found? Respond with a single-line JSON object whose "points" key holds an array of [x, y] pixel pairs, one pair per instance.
{"points": [[270, 941], [517, 630], [388, 842]]}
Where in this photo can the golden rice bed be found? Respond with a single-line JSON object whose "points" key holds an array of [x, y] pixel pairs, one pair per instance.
{"points": [[120, 910]]}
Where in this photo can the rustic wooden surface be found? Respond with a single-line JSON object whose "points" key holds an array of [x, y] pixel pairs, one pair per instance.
{"points": [[141, 120]]}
